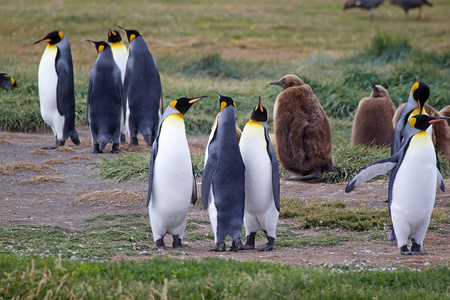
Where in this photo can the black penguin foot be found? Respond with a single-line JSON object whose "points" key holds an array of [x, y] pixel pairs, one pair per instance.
{"points": [[404, 250], [270, 244], [148, 139], [220, 247], [391, 236], [237, 245], [415, 248], [134, 141], [115, 148], [57, 144], [160, 244], [315, 174], [123, 139], [97, 149], [176, 242], [75, 139], [250, 242]]}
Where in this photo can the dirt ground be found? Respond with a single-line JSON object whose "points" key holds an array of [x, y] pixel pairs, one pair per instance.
{"points": [[49, 188]]}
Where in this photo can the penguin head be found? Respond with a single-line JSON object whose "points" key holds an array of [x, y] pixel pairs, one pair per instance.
{"points": [[100, 45], [259, 113], [225, 101], [4, 78], [288, 81], [183, 104], [422, 122], [114, 36], [130, 33], [52, 38], [378, 91], [420, 92]]}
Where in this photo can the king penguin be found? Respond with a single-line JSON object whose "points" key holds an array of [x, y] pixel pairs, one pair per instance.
{"points": [[120, 53], [223, 181], [56, 88], [171, 184], [105, 94], [262, 180], [412, 184], [302, 130], [143, 92], [7, 82], [375, 111]]}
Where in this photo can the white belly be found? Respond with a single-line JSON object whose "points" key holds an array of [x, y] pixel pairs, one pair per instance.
{"points": [[120, 54], [48, 81], [172, 179], [414, 189]]}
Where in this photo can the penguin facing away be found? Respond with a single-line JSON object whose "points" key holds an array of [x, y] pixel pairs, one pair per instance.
{"points": [[56, 88], [372, 123], [7, 82], [223, 180], [143, 92], [412, 185], [105, 95], [408, 4], [302, 131], [171, 184], [262, 181], [120, 53]]}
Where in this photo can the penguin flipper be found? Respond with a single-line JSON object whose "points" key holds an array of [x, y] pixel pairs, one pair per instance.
{"points": [[210, 169], [275, 171], [150, 171], [440, 181], [194, 188], [62, 87], [378, 168]]}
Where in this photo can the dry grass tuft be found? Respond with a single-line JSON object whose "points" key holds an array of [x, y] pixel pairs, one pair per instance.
{"points": [[117, 198], [79, 157], [3, 142], [41, 179], [40, 152], [64, 149], [138, 149], [22, 167], [54, 161]]}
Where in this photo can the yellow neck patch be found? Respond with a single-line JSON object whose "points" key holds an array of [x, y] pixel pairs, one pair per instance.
{"points": [[12, 81], [415, 87], [132, 37], [101, 48], [61, 35]]}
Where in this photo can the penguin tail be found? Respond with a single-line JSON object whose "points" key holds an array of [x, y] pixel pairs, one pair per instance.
{"points": [[74, 137], [103, 145]]}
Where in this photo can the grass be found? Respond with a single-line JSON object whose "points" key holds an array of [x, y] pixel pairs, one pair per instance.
{"points": [[162, 278]]}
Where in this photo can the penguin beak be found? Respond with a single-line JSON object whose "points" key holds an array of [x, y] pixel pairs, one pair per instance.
{"points": [[47, 40], [276, 83], [124, 30], [218, 94], [259, 105], [438, 119], [193, 100], [92, 42]]}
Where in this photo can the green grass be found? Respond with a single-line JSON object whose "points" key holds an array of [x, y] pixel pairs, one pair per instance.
{"points": [[162, 278]]}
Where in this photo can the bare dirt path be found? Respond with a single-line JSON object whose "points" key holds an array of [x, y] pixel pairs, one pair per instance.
{"points": [[40, 188]]}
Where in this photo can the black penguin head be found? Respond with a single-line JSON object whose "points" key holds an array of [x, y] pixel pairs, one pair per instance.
{"points": [[113, 36], [259, 113], [52, 38], [7, 81], [183, 104], [225, 101], [420, 92], [288, 81], [422, 122], [100, 45], [130, 33]]}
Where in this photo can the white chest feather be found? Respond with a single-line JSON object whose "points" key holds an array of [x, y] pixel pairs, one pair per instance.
{"points": [[120, 54], [48, 80]]}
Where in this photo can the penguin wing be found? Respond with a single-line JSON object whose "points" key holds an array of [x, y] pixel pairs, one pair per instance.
{"points": [[379, 168], [62, 89], [88, 100], [275, 171], [208, 173], [150, 170], [440, 180], [194, 188]]}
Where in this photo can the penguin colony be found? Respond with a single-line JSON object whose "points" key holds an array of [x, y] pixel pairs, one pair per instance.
{"points": [[371, 5], [240, 183]]}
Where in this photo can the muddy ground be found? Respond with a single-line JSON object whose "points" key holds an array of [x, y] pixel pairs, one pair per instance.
{"points": [[56, 188]]}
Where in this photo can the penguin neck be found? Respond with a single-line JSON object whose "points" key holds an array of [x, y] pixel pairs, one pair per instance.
{"points": [[227, 122]]}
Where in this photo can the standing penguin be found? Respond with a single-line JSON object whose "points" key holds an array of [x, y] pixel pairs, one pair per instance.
{"points": [[446, 113], [420, 92], [143, 92], [56, 88], [363, 4], [120, 53], [105, 94], [302, 131], [372, 123], [262, 181], [223, 181], [7, 82], [171, 184], [412, 184]]}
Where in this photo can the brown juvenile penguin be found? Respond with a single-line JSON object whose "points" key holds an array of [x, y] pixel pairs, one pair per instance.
{"points": [[445, 112], [440, 130], [372, 123], [302, 131]]}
